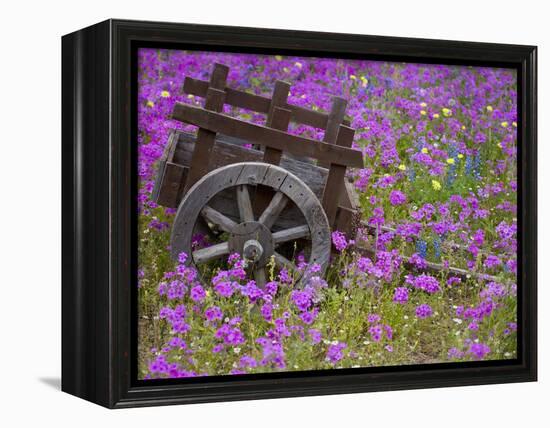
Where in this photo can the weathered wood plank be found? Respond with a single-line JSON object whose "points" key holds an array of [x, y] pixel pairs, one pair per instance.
{"points": [[229, 150], [347, 221], [299, 146], [336, 176], [279, 121], [215, 97], [260, 104], [226, 178], [210, 253], [291, 234], [335, 119], [245, 205], [217, 218], [273, 210], [171, 188]]}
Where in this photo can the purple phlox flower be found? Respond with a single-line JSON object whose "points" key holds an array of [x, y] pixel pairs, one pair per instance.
{"points": [[247, 361], [335, 352], [423, 311], [267, 312], [375, 332], [339, 241], [251, 291], [418, 261], [401, 295], [309, 316], [302, 299], [315, 335], [372, 318], [182, 258], [213, 313], [427, 283], [197, 293], [492, 261], [479, 350], [397, 197]]}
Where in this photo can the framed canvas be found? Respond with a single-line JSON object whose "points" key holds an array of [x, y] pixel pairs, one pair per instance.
{"points": [[252, 213]]}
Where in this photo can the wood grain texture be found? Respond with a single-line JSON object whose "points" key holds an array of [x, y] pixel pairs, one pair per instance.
{"points": [[260, 104], [335, 119], [335, 181], [258, 134], [215, 97], [252, 173]]}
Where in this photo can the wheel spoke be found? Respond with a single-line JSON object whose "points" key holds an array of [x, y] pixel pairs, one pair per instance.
{"points": [[282, 261], [244, 203], [259, 277], [270, 214], [210, 253], [291, 234], [217, 218]]}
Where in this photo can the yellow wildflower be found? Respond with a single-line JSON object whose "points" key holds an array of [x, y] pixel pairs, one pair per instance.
{"points": [[150, 103], [278, 57], [424, 150], [190, 96], [489, 109], [460, 156], [402, 167], [463, 127], [504, 124], [499, 145], [423, 112], [423, 104], [515, 124], [364, 81], [352, 76], [436, 185], [447, 112], [451, 161], [436, 116], [165, 94]]}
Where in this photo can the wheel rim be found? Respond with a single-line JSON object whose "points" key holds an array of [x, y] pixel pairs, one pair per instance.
{"points": [[251, 237]]}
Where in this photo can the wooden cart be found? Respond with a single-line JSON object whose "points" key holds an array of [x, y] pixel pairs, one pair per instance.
{"points": [[257, 200]]}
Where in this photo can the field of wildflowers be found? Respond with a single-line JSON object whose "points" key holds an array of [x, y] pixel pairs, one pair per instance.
{"points": [[439, 186]]}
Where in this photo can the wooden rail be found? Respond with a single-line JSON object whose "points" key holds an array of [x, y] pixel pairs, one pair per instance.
{"points": [[260, 104], [262, 135]]}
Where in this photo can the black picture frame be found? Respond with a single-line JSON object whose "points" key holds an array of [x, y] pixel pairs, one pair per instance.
{"points": [[99, 183]]}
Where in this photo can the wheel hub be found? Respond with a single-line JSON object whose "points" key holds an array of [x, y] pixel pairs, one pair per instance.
{"points": [[253, 241]]}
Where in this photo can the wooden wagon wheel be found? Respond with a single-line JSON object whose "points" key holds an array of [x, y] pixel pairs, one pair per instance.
{"points": [[252, 238]]}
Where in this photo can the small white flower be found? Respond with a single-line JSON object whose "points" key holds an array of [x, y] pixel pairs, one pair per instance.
{"points": [[237, 350], [457, 320]]}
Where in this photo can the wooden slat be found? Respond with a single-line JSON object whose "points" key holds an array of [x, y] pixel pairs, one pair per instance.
{"points": [[336, 176], [215, 97], [275, 207], [217, 218], [335, 118], [229, 150], [279, 121], [258, 103], [170, 191], [298, 146], [210, 253], [291, 234], [233, 97], [243, 202], [347, 221]]}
